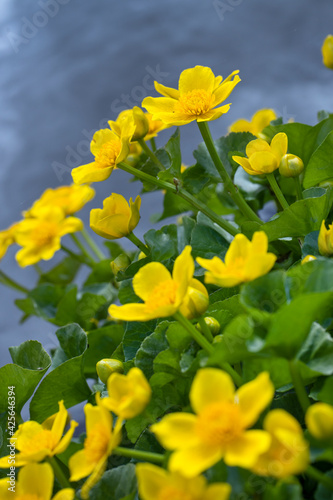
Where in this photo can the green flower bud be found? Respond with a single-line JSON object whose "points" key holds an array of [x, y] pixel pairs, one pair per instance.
{"points": [[291, 166], [218, 339], [105, 368], [120, 263], [213, 325]]}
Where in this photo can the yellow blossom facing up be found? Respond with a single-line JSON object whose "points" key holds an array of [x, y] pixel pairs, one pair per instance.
{"points": [[70, 198], [109, 149], [258, 122], [162, 293], [288, 453], [219, 429], [35, 442], [117, 218], [327, 51], [244, 261], [325, 239], [154, 127], [198, 95], [100, 441], [34, 482], [128, 394], [41, 237], [319, 421], [140, 121], [308, 258], [155, 483], [263, 158], [7, 238]]}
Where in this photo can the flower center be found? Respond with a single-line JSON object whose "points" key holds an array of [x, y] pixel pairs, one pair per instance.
{"points": [[220, 423], [44, 233], [96, 444], [163, 294], [107, 155], [45, 440], [196, 102], [172, 493]]}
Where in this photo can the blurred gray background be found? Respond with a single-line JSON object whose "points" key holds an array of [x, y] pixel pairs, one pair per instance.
{"points": [[67, 66]]}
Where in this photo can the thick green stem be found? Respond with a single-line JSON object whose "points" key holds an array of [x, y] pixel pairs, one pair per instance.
{"points": [[82, 248], [277, 191], [205, 329], [150, 154], [296, 378], [153, 144], [320, 477], [135, 240], [59, 474], [91, 243], [6, 280], [139, 455], [299, 192], [203, 342], [193, 202], [229, 185]]}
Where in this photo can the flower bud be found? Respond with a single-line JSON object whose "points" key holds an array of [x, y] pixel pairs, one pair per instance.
{"points": [[120, 263], [308, 258], [141, 124], [325, 239], [105, 368], [319, 421], [327, 52], [218, 339], [141, 255], [213, 325], [196, 300], [291, 166]]}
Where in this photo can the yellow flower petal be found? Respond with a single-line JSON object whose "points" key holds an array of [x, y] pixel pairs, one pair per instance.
{"points": [[65, 494], [36, 479], [279, 145], [327, 51], [262, 119], [65, 441], [225, 89], [254, 397], [256, 146], [199, 77], [244, 451], [100, 138], [192, 461], [183, 271], [210, 385], [166, 91], [80, 466], [151, 480], [130, 312], [90, 173], [319, 421], [238, 249], [244, 162], [175, 430], [264, 162], [149, 277], [214, 114], [241, 125], [70, 225], [218, 491], [59, 422]]}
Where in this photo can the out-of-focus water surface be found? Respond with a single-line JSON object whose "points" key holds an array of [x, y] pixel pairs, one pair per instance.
{"points": [[69, 65]]}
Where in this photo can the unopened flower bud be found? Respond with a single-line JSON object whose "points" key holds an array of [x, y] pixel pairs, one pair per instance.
{"points": [[213, 325], [325, 239], [196, 300], [141, 124], [120, 263], [308, 258], [291, 166], [327, 51], [105, 368], [218, 339]]}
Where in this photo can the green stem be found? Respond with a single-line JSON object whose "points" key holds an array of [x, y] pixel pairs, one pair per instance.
{"points": [[153, 144], [296, 378], [278, 193], [229, 185], [82, 248], [320, 477], [150, 154], [299, 192], [138, 454], [58, 472], [135, 240], [183, 194], [91, 243], [205, 329], [80, 258], [38, 269], [6, 280], [203, 342]]}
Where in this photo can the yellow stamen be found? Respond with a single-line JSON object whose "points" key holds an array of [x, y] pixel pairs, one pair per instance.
{"points": [[44, 233], [162, 295], [96, 444], [220, 423], [196, 102], [107, 155]]}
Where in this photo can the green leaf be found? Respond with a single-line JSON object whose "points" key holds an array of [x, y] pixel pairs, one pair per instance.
{"points": [[326, 392], [162, 243], [195, 178], [102, 344], [288, 489], [66, 382], [126, 293], [322, 492], [101, 273], [317, 350], [43, 300], [135, 333], [266, 293], [150, 347], [320, 166], [63, 273], [206, 242], [173, 148], [115, 484], [173, 204], [30, 362]]}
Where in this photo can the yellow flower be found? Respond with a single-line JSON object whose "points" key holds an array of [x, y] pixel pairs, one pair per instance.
{"points": [[70, 198], [36, 441], [41, 237], [308, 258], [219, 428], [288, 453], [325, 239], [117, 218], [319, 421], [244, 261], [128, 394], [200, 91], [35, 482], [140, 120], [163, 294], [155, 126], [327, 51], [155, 483], [109, 149], [262, 157], [259, 121], [100, 441], [7, 238]]}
